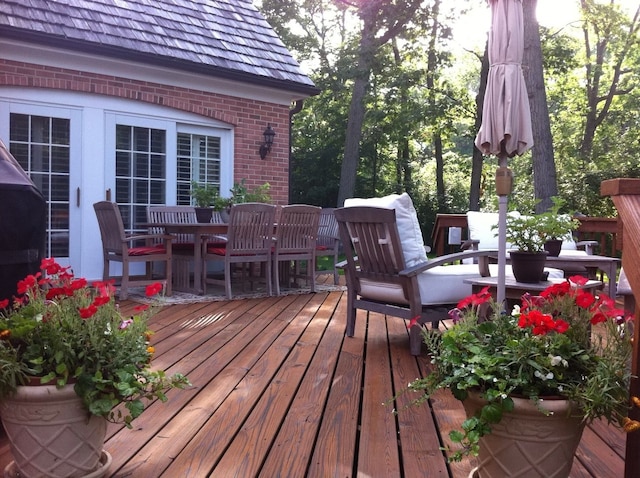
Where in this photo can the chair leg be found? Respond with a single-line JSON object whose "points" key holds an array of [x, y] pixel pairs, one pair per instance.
{"points": [[124, 282], [169, 277], [311, 274], [268, 277], [227, 279], [276, 275], [415, 339]]}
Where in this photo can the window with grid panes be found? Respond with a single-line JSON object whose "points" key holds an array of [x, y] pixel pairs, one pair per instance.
{"points": [[198, 159], [41, 145], [141, 160]]}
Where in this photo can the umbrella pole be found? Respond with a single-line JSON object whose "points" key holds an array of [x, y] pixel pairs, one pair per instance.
{"points": [[504, 183]]}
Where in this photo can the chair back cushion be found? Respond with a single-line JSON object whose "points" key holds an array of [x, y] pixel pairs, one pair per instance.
{"points": [[483, 227], [406, 220]]}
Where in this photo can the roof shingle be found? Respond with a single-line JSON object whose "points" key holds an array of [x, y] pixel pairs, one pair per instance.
{"points": [[227, 38]]}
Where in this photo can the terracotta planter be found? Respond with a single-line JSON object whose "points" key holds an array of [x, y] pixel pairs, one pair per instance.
{"points": [[52, 435], [527, 442], [528, 267]]}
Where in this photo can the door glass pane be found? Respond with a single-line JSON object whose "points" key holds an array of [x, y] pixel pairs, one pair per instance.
{"points": [[42, 147], [198, 159], [140, 172]]}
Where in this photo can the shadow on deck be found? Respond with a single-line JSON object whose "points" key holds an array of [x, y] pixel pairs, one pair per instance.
{"points": [[279, 391]]}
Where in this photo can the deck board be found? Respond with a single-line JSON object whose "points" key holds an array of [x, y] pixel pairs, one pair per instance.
{"points": [[280, 391]]}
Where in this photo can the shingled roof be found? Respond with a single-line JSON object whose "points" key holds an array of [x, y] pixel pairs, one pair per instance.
{"points": [[223, 38]]}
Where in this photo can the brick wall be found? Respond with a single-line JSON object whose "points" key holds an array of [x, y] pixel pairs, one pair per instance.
{"points": [[248, 117]]}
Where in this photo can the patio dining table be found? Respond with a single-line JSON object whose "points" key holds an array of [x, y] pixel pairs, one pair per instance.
{"points": [[200, 231]]}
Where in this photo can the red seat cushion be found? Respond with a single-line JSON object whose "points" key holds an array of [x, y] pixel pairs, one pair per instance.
{"points": [[217, 249], [321, 248], [146, 250]]}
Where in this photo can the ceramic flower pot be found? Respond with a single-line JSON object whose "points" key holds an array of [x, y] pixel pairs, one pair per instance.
{"points": [[528, 267], [204, 214], [553, 247], [52, 435], [527, 442], [224, 214]]}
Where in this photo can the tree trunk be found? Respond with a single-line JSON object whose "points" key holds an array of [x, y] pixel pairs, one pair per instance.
{"points": [[478, 158], [544, 168]]}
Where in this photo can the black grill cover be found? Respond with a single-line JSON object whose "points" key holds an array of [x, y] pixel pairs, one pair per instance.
{"points": [[22, 224]]}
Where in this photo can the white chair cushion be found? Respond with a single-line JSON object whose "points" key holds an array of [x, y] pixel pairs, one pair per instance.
{"points": [[445, 284], [483, 227], [406, 220]]}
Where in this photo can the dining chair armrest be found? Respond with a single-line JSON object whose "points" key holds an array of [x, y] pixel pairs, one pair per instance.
{"points": [[136, 237]]}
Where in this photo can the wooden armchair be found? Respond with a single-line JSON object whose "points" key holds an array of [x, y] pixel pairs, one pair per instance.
{"points": [[117, 246], [296, 234], [378, 279]]}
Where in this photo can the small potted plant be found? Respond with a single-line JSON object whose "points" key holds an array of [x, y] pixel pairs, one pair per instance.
{"points": [[528, 234], [64, 344], [205, 196], [240, 193], [559, 359], [555, 227]]}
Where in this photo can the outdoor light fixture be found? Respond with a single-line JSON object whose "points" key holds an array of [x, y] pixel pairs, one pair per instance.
{"points": [[265, 148]]}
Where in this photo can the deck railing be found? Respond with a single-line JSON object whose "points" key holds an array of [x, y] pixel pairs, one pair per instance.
{"points": [[625, 194], [604, 230]]}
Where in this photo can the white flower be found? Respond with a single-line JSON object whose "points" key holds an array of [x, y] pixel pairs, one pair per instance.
{"points": [[516, 311], [543, 377], [557, 360]]}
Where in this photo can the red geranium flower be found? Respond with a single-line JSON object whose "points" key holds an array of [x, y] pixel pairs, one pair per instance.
{"points": [[153, 289]]}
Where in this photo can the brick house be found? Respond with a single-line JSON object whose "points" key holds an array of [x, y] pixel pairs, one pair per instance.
{"points": [[131, 100]]}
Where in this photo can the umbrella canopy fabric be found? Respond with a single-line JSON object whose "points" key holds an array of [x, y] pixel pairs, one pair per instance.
{"points": [[506, 117]]}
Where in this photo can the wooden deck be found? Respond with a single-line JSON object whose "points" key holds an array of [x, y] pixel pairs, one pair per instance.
{"points": [[279, 391]]}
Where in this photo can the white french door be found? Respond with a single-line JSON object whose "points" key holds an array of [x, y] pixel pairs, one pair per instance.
{"points": [[40, 138]]}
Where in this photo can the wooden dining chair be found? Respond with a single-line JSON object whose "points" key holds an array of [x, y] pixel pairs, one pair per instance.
{"points": [[117, 246], [328, 241], [249, 241], [296, 234], [182, 244]]}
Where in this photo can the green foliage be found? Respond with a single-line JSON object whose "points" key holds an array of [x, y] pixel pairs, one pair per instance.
{"points": [[528, 233], [564, 343], [204, 195], [418, 92], [60, 330]]}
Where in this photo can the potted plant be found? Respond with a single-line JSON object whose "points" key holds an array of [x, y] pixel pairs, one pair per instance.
{"points": [[563, 355], [529, 235], [554, 227], [240, 193], [64, 343], [205, 196]]}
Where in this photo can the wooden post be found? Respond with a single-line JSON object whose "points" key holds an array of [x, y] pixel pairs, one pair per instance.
{"points": [[626, 197]]}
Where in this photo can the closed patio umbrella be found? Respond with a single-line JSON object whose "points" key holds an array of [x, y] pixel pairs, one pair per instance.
{"points": [[506, 117]]}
